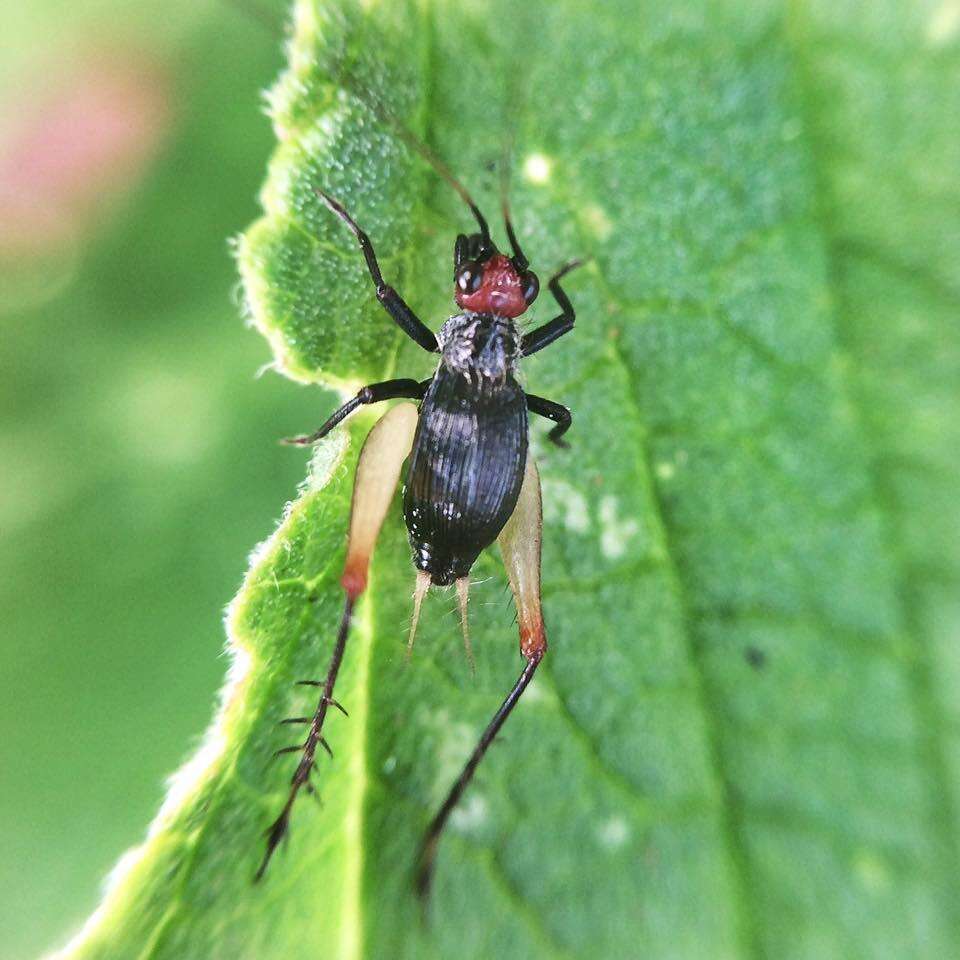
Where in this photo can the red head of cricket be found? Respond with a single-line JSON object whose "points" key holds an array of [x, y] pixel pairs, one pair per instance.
{"points": [[500, 291]]}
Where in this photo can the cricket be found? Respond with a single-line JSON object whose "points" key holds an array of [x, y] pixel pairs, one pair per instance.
{"points": [[469, 481]]}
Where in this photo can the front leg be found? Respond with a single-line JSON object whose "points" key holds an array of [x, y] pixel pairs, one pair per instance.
{"points": [[545, 335], [556, 412], [392, 302], [373, 393]]}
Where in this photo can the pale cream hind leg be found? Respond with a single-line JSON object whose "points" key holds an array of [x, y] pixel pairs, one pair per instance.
{"points": [[520, 543]]}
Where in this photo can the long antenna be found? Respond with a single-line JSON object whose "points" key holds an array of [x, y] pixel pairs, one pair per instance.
{"points": [[419, 147], [260, 14], [519, 258]]}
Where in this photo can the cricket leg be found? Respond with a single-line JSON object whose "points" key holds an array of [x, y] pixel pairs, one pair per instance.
{"points": [[372, 393], [558, 326], [392, 302], [378, 471], [556, 412], [520, 545]]}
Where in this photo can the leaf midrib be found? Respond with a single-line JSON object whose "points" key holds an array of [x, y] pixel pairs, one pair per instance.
{"points": [[738, 868]]}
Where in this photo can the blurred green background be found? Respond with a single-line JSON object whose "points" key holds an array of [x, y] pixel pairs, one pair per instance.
{"points": [[139, 456]]}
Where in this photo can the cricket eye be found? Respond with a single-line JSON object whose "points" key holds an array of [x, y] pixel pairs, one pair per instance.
{"points": [[469, 276], [531, 286]]}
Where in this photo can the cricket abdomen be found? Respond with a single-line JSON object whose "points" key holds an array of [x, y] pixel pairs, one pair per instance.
{"points": [[465, 471]]}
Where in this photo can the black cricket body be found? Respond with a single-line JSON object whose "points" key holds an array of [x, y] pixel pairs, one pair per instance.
{"points": [[470, 449], [469, 481]]}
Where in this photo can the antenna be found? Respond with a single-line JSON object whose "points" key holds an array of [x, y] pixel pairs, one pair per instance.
{"points": [[261, 15], [419, 147], [519, 258]]}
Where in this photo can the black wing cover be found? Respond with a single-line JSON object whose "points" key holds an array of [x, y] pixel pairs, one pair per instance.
{"points": [[465, 471]]}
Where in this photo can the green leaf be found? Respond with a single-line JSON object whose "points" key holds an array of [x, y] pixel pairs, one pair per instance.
{"points": [[744, 740]]}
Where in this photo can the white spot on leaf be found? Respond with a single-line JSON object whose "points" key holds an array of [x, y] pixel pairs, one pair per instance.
{"points": [[667, 469], [453, 743], [563, 503], [536, 168], [470, 814], [613, 833], [535, 693], [597, 221], [615, 531]]}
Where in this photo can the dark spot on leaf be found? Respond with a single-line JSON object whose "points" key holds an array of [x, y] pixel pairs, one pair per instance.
{"points": [[755, 657]]}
